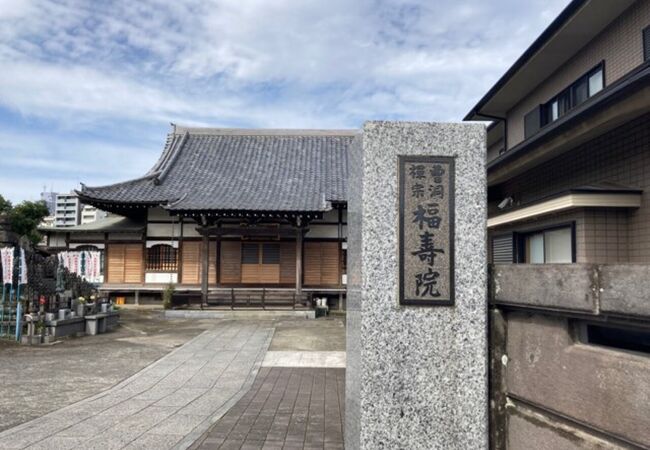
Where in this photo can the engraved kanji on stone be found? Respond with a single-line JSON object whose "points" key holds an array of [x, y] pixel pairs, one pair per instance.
{"points": [[426, 283], [427, 251], [437, 191], [417, 190], [437, 171], [427, 215], [417, 171]]}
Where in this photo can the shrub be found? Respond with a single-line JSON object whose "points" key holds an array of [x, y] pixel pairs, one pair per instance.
{"points": [[168, 293]]}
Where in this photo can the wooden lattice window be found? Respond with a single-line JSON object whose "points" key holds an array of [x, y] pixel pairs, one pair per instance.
{"points": [[162, 258]]}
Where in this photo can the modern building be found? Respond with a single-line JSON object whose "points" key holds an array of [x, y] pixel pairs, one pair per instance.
{"points": [[90, 214], [569, 235], [67, 210], [251, 216], [50, 200]]}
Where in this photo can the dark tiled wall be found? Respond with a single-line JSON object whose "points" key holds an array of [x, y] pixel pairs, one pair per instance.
{"points": [[602, 236]]}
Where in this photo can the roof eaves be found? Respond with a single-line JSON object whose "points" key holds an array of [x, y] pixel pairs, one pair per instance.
{"points": [[85, 189], [565, 15], [623, 87]]}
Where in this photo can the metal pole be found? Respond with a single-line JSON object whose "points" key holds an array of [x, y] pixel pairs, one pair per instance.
{"points": [[18, 315], [2, 309], [18, 305], [11, 296]]}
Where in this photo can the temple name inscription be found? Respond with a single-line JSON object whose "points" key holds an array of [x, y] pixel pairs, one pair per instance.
{"points": [[426, 230]]}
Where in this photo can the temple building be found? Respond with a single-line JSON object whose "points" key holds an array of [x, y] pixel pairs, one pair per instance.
{"points": [[230, 216]]}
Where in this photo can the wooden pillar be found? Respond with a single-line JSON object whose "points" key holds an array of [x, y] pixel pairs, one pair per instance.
{"points": [[217, 264], [205, 262], [299, 262]]}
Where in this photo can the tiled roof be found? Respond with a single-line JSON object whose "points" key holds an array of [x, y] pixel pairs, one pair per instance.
{"points": [[114, 224], [251, 170]]}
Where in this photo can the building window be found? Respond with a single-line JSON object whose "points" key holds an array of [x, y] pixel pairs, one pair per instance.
{"points": [[580, 91], [264, 253], [162, 258], [250, 254], [553, 246], [270, 253], [617, 338], [503, 249]]}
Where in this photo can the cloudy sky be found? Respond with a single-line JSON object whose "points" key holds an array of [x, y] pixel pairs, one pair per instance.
{"points": [[88, 88]]}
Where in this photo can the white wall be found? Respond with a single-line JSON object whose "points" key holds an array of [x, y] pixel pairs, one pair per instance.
{"points": [[163, 230], [161, 277]]}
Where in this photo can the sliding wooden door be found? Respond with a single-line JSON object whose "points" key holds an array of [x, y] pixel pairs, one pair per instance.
{"points": [[125, 263]]}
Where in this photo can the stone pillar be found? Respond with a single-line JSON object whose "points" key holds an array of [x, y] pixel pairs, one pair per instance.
{"points": [[416, 371]]}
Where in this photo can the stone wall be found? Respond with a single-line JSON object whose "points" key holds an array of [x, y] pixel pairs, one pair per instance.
{"points": [[550, 387]]}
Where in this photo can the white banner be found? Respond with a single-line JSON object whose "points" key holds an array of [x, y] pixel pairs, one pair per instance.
{"points": [[7, 255], [23, 268], [84, 263]]}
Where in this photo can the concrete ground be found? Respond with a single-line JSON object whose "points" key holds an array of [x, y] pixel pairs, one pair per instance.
{"points": [[38, 380], [41, 379], [322, 335]]}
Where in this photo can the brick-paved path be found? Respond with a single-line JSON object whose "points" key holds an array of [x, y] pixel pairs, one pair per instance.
{"points": [[170, 404], [286, 408]]}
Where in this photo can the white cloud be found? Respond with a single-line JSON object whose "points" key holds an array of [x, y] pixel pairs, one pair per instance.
{"points": [[81, 66], [218, 60]]}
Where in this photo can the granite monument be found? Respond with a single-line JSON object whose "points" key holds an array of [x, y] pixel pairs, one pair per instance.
{"points": [[417, 295]]}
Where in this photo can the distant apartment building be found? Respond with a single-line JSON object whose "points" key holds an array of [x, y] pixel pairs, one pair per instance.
{"points": [[50, 201], [67, 211], [91, 214], [569, 233]]}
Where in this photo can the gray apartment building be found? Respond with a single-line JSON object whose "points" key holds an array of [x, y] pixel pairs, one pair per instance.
{"points": [[569, 233], [67, 212]]}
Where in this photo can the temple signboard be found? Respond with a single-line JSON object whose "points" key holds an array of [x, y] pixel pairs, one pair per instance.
{"points": [[426, 230]]}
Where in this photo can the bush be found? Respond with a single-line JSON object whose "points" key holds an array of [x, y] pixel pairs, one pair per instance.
{"points": [[168, 293]]}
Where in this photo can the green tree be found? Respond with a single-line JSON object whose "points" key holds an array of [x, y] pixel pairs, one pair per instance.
{"points": [[25, 218], [5, 205]]}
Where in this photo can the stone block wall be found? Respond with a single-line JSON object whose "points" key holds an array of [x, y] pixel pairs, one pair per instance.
{"points": [[550, 386]]}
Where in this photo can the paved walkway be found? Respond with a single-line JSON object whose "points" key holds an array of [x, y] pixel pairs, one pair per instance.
{"points": [[170, 404], [287, 408]]}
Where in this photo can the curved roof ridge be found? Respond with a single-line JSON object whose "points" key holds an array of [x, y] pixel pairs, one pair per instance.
{"points": [[170, 142], [118, 184], [173, 153], [180, 129]]}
